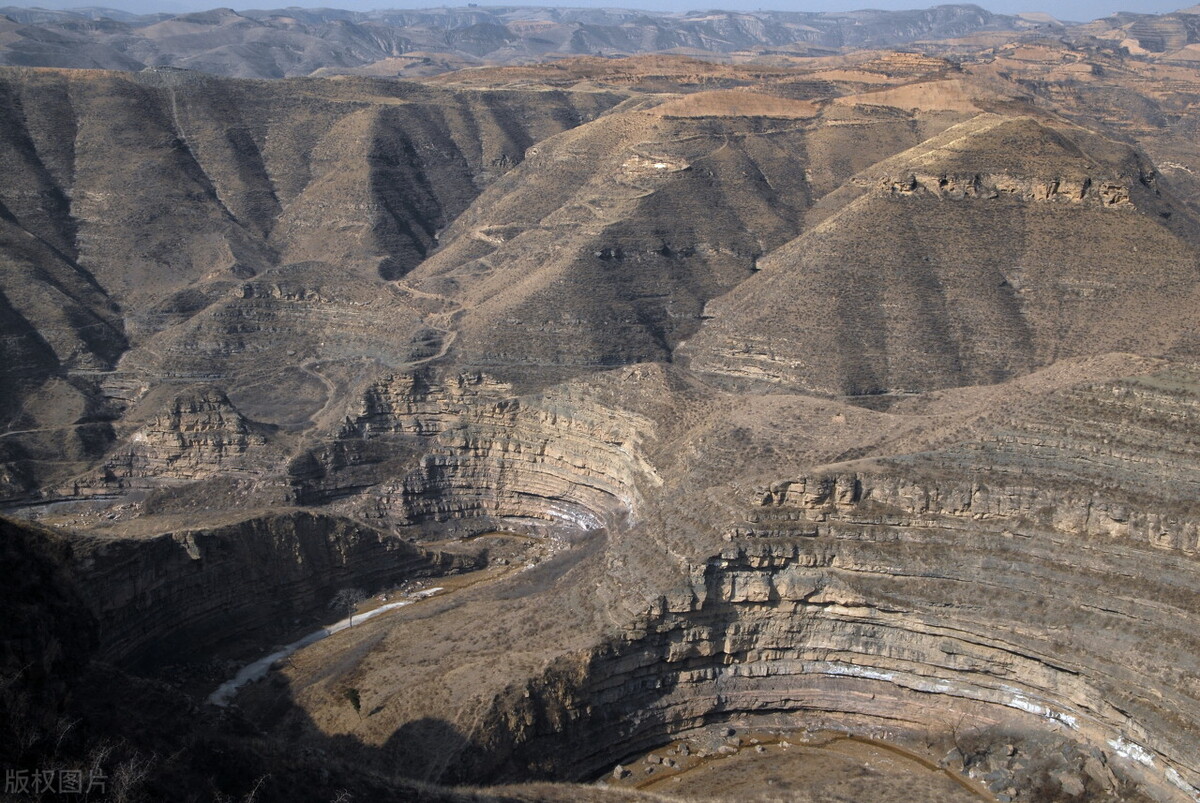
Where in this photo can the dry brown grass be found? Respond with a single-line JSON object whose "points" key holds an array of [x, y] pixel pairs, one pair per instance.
{"points": [[733, 103], [951, 95]]}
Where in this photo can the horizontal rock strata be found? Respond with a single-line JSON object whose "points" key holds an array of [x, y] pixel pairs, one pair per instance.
{"points": [[486, 452], [920, 631]]}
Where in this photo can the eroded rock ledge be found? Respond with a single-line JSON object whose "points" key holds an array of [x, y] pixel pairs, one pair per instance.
{"points": [[929, 633], [1107, 192], [484, 452], [197, 436], [796, 507]]}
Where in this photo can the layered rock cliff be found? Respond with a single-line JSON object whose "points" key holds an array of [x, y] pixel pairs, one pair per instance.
{"points": [[985, 600], [184, 593], [487, 453], [870, 627], [197, 436]]}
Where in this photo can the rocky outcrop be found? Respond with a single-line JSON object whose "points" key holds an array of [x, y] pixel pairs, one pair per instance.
{"points": [[797, 506], [885, 631], [1007, 617], [197, 436], [1113, 459], [553, 459], [181, 594], [1165, 33], [417, 404], [1104, 192], [486, 453]]}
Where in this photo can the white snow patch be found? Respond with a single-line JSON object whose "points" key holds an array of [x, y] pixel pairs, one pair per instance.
{"points": [[1025, 704], [1131, 750], [1177, 779], [858, 672]]}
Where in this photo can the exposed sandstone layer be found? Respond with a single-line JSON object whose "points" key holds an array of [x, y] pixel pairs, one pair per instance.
{"points": [[562, 458], [197, 436], [1128, 438], [862, 621], [827, 627], [887, 598]]}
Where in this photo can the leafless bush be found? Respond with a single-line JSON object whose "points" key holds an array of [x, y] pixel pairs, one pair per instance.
{"points": [[129, 776]]}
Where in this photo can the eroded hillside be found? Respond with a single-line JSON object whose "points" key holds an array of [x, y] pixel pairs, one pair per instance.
{"points": [[295, 42], [653, 402]]}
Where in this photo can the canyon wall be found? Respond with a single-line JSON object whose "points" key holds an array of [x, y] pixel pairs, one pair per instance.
{"points": [[182, 594], [932, 632], [1005, 624], [487, 453]]}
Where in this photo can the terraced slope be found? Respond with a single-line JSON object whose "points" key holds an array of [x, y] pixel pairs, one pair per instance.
{"points": [[605, 245], [1001, 245], [201, 222]]}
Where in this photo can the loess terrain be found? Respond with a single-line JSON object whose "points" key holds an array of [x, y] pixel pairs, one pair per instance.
{"points": [[819, 398], [295, 42]]}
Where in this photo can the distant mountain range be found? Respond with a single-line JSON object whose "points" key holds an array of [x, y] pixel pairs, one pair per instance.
{"points": [[299, 42]]}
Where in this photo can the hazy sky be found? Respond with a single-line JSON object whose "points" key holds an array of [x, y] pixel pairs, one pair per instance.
{"points": [[1063, 9]]}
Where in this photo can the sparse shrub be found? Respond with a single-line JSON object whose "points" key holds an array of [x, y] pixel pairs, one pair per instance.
{"points": [[355, 699]]}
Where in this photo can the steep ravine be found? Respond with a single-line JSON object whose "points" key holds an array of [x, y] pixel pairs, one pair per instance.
{"points": [[954, 611], [183, 594], [1012, 632]]}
